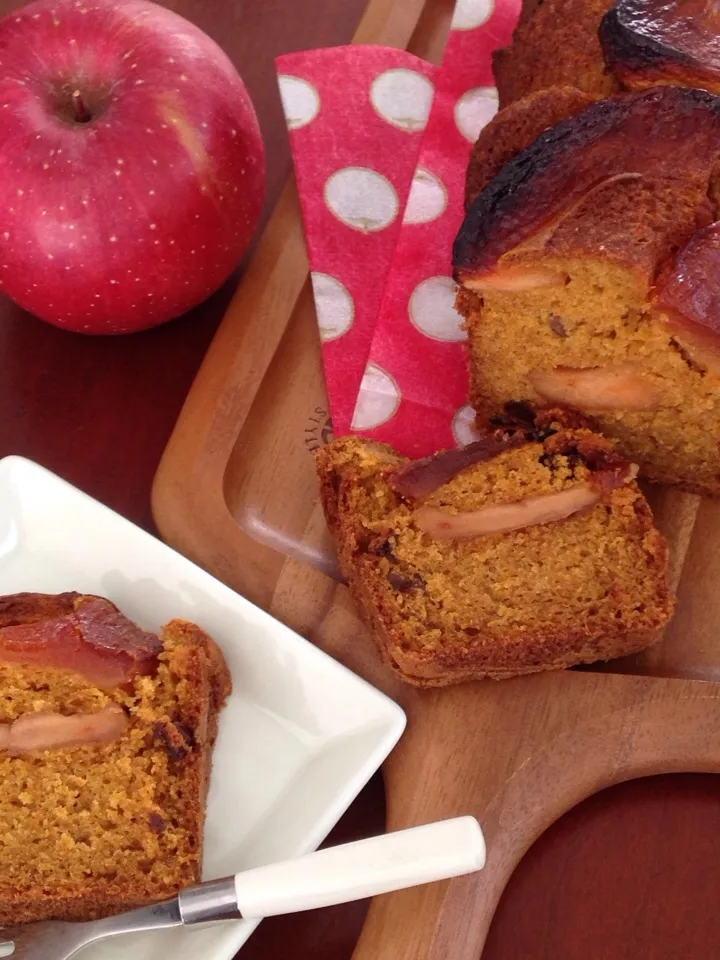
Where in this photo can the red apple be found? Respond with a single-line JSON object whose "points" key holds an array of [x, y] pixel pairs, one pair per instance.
{"points": [[131, 164]]}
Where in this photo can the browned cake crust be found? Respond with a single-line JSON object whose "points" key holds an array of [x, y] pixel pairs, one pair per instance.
{"points": [[555, 44], [91, 830], [626, 177], [590, 587], [513, 128]]}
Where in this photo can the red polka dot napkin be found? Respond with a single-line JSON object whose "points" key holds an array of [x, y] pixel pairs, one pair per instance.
{"points": [[356, 116], [380, 160]]}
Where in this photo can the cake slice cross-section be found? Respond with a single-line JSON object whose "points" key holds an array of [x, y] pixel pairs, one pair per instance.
{"points": [[533, 551], [106, 738]]}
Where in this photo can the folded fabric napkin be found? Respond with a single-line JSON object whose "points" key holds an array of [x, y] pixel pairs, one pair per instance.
{"points": [[380, 143]]}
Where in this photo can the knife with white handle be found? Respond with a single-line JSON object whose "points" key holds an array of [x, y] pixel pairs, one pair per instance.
{"points": [[351, 871]]}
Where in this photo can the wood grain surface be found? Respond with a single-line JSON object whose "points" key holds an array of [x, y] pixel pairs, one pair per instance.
{"points": [[631, 872]]}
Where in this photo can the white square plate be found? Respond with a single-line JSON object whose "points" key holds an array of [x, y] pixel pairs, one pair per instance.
{"points": [[300, 735]]}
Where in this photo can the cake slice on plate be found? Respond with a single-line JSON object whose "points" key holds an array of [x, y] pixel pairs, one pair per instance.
{"points": [[530, 550], [106, 737]]}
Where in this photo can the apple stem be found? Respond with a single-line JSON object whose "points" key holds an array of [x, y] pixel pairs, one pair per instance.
{"points": [[82, 114]]}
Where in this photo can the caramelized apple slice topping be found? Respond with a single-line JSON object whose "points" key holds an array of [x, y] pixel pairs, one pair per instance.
{"points": [[418, 478], [646, 42], [505, 517], [95, 640], [519, 277], [666, 133], [594, 389], [54, 731], [514, 127]]}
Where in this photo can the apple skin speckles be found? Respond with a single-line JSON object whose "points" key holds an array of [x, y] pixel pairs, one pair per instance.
{"points": [[110, 263]]}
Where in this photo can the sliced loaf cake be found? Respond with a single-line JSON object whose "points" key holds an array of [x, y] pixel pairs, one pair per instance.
{"points": [[589, 273]]}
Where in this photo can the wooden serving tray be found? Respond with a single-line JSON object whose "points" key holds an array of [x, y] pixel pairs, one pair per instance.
{"points": [[236, 492]]}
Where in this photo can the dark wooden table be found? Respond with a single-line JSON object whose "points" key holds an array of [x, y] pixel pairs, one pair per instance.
{"points": [[633, 872]]}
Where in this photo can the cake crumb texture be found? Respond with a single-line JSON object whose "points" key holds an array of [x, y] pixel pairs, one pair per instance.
{"points": [[598, 319]]}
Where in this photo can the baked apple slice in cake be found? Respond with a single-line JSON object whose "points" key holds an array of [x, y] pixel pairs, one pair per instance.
{"points": [[687, 298], [68, 629]]}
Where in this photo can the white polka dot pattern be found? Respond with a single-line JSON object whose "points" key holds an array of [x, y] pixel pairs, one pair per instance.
{"points": [[402, 98], [378, 399], [471, 14], [354, 164], [381, 223], [474, 110], [428, 198], [300, 100], [432, 309], [334, 306], [363, 199], [463, 425]]}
